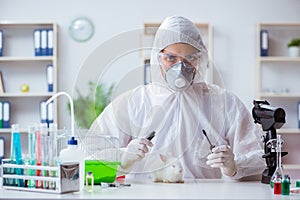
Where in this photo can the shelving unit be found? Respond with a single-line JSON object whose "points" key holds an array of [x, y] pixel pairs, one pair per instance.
{"points": [[278, 82], [148, 35], [19, 65]]}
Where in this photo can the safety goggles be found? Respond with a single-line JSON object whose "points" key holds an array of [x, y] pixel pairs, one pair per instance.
{"points": [[168, 59]]}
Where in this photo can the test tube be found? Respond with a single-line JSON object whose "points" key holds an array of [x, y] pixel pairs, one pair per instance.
{"points": [[45, 151], [31, 152], [53, 152], [38, 183], [16, 151]]}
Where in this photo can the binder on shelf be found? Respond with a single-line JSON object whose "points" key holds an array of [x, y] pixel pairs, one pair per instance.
{"points": [[50, 114], [264, 43], [146, 71], [44, 42], [2, 149], [2, 89], [1, 114], [299, 114], [37, 42], [50, 40], [43, 112], [49, 76], [1, 43], [6, 114]]}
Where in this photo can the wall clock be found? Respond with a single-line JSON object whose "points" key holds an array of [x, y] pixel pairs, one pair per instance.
{"points": [[81, 29]]}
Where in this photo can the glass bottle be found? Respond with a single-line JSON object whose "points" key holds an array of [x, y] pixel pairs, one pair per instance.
{"points": [[89, 181], [285, 185], [278, 174]]}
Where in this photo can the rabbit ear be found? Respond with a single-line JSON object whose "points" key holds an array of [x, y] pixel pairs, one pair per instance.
{"points": [[163, 158]]}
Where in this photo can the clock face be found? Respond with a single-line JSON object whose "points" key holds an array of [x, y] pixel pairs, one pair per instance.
{"points": [[81, 29]]}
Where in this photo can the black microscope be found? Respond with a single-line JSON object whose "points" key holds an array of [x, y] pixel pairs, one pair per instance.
{"points": [[271, 119]]}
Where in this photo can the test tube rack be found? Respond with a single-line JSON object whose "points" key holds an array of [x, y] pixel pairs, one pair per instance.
{"points": [[66, 178]]}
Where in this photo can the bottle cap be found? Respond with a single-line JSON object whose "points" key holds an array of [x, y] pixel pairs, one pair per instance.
{"points": [[286, 176], [72, 141], [89, 173]]}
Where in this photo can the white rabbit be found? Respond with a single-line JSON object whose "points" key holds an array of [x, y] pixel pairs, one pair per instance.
{"points": [[168, 171]]}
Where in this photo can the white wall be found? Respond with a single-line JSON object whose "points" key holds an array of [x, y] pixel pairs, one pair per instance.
{"points": [[233, 21]]}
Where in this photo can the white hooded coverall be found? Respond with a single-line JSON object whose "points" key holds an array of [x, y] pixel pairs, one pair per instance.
{"points": [[179, 117]]}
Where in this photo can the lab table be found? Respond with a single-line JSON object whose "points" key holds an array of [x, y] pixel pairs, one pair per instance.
{"points": [[191, 189]]}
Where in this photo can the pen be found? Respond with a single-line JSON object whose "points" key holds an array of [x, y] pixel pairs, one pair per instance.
{"points": [[152, 134], [211, 145]]}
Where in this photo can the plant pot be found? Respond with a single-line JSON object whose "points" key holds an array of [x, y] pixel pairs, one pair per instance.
{"points": [[294, 51]]}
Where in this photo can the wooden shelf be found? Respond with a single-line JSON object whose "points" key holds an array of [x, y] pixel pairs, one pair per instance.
{"points": [[278, 59], [8, 130], [289, 131], [279, 95], [279, 24], [21, 23], [291, 166], [42, 94], [24, 58]]}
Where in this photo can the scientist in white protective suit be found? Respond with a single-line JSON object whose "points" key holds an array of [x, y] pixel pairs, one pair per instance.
{"points": [[178, 105]]}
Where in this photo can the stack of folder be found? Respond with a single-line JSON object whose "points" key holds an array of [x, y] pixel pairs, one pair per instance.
{"points": [[4, 114], [2, 149], [43, 42], [1, 43], [2, 89]]}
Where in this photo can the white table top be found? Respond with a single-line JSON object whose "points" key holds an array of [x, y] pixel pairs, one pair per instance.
{"points": [[191, 189]]}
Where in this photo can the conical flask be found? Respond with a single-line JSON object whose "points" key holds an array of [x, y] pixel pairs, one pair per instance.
{"points": [[278, 174]]}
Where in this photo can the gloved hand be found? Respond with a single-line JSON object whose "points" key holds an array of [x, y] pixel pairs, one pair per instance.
{"points": [[222, 157], [135, 151]]}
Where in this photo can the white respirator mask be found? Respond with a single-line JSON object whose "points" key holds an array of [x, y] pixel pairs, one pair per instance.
{"points": [[180, 76]]}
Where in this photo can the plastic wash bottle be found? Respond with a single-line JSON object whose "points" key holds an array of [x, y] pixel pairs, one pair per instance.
{"points": [[73, 154]]}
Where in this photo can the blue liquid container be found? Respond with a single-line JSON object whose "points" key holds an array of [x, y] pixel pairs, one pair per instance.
{"points": [[16, 152]]}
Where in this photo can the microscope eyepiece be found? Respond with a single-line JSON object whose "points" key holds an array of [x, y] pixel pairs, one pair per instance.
{"points": [[269, 117]]}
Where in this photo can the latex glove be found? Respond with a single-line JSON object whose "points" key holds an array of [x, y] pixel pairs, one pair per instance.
{"points": [[135, 151], [222, 157]]}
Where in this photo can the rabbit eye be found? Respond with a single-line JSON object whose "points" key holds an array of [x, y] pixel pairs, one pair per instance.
{"points": [[173, 166]]}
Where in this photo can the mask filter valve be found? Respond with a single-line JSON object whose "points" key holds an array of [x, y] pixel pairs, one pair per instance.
{"points": [[180, 82]]}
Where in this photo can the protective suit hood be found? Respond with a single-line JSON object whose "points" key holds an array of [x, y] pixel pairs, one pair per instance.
{"points": [[177, 29]]}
